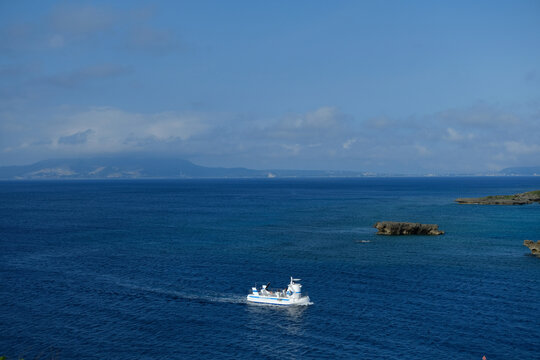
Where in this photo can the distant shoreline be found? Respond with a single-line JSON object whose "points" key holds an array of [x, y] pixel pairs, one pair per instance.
{"points": [[75, 179], [131, 167]]}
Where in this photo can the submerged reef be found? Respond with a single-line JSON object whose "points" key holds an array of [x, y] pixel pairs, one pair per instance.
{"points": [[406, 228], [517, 199]]}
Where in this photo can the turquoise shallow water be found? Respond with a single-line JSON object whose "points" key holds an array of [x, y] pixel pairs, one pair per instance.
{"points": [[160, 269]]}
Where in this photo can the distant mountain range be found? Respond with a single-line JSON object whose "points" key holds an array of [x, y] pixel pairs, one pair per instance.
{"points": [[145, 168], [132, 167], [523, 171]]}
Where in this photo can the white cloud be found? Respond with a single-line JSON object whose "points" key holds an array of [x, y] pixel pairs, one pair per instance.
{"points": [[292, 149], [323, 117], [324, 138], [105, 129], [75, 139], [171, 125], [347, 144], [86, 19], [72, 24], [322, 123], [479, 115], [519, 148], [422, 150], [454, 135], [380, 122]]}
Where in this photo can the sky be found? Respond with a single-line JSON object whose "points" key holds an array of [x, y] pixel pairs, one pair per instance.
{"points": [[376, 86]]}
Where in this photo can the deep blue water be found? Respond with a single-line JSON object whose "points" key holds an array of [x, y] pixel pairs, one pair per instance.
{"points": [[160, 269]]}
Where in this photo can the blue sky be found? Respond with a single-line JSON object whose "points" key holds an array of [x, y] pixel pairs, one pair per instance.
{"points": [[380, 86]]}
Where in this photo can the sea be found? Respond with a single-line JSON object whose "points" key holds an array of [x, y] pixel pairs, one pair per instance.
{"points": [[160, 269]]}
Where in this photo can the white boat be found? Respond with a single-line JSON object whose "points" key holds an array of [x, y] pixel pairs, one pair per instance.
{"points": [[292, 295]]}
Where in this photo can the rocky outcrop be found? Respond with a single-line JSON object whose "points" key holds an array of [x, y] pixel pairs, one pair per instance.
{"points": [[533, 246], [517, 199], [406, 228]]}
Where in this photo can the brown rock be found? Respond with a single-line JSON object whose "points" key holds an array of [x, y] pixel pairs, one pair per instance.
{"points": [[406, 228], [533, 246], [517, 199]]}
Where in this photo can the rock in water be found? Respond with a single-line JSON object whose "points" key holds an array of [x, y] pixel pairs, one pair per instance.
{"points": [[406, 228], [533, 246], [517, 199]]}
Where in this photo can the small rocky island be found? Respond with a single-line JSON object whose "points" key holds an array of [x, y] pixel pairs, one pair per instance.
{"points": [[533, 246], [517, 199], [406, 228]]}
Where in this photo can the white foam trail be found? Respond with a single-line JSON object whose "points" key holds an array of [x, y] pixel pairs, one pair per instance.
{"points": [[224, 298]]}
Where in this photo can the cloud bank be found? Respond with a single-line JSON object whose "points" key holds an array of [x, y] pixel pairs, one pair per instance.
{"points": [[324, 138]]}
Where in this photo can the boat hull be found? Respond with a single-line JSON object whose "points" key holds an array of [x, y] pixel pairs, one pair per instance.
{"points": [[272, 300]]}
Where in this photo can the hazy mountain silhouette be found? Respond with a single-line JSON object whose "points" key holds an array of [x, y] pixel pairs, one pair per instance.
{"points": [[523, 171], [132, 167]]}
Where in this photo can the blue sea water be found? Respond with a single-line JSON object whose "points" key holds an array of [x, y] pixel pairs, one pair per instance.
{"points": [[160, 269]]}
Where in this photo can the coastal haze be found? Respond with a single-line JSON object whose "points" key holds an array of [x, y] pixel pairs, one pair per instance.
{"points": [[137, 167]]}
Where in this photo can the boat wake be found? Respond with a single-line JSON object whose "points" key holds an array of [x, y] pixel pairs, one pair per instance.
{"points": [[205, 297]]}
